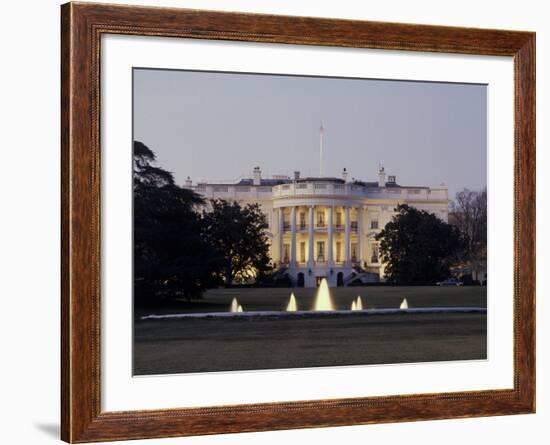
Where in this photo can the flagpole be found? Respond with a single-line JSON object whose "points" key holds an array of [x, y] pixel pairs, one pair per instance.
{"points": [[321, 134]]}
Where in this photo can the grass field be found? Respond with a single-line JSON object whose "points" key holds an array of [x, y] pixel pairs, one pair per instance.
{"points": [[226, 344]]}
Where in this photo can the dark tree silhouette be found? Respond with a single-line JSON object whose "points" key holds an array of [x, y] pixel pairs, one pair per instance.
{"points": [[145, 173], [417, 247], [171, 258], [238, 234]]}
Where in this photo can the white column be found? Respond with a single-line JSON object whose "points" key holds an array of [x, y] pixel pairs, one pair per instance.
{"points": [[364, 231], [310, 245], [281, 234], [360, 235], [347, 258], [330, 259], [293, 242]]}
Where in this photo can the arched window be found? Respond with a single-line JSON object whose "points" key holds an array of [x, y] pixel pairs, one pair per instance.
{"points": [[340, 279], [300, 281]]}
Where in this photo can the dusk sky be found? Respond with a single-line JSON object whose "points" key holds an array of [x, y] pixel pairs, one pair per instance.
{"points": [[219, 126]]}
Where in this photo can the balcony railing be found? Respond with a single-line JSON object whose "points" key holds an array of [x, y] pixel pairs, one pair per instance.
{"points": [[322, 261], [299, 227], [354, 227], [322, 188]]}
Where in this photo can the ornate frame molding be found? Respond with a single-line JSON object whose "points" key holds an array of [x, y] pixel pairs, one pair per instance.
{"points": [[82, 25]]}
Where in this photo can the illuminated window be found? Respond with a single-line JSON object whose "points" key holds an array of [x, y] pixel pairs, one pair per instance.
{"points": [[338, 219], [354, 252], [286, 221], [374, 253], [302, 252], [320, 251], [302, 220], [320, 219], [286, 253]]}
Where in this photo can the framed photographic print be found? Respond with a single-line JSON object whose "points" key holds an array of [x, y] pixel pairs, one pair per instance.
{"points": [[274, 222]]}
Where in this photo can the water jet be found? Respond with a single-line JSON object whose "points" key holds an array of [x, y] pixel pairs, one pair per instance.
{"points": [[323, 301], [234, 305], [292, 306]]}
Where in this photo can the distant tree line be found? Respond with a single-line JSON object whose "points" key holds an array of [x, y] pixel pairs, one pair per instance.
{"points": [[469, 214], [183, 244]]}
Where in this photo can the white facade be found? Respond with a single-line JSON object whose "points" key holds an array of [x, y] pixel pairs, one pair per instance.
{"points": [[325, 227]]}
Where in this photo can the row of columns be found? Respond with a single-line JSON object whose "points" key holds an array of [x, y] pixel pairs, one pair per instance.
{"points": [[330, 233]]}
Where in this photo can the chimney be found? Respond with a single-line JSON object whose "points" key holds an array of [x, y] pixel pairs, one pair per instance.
{"points": [[381, 177], [345, 174], [188, 182], [257, 178], [296, 175]]}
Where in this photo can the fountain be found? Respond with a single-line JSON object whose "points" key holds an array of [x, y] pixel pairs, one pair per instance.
{"points": [[353, 306], [239, 308], [234, 305], [359, 303], [323, 302], [404, 304], [292, 306]]}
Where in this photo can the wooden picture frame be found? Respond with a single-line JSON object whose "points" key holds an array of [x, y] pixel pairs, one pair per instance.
{"points": [[82, 25]]}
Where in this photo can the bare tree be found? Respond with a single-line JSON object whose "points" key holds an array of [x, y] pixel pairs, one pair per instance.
{"points": [[469, 214]]}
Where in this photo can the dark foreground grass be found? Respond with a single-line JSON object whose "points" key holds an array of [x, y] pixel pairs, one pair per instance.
{"points": [[228, 344]]}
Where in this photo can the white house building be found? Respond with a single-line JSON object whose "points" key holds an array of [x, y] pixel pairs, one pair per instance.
{"points": [[325, 227]]}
